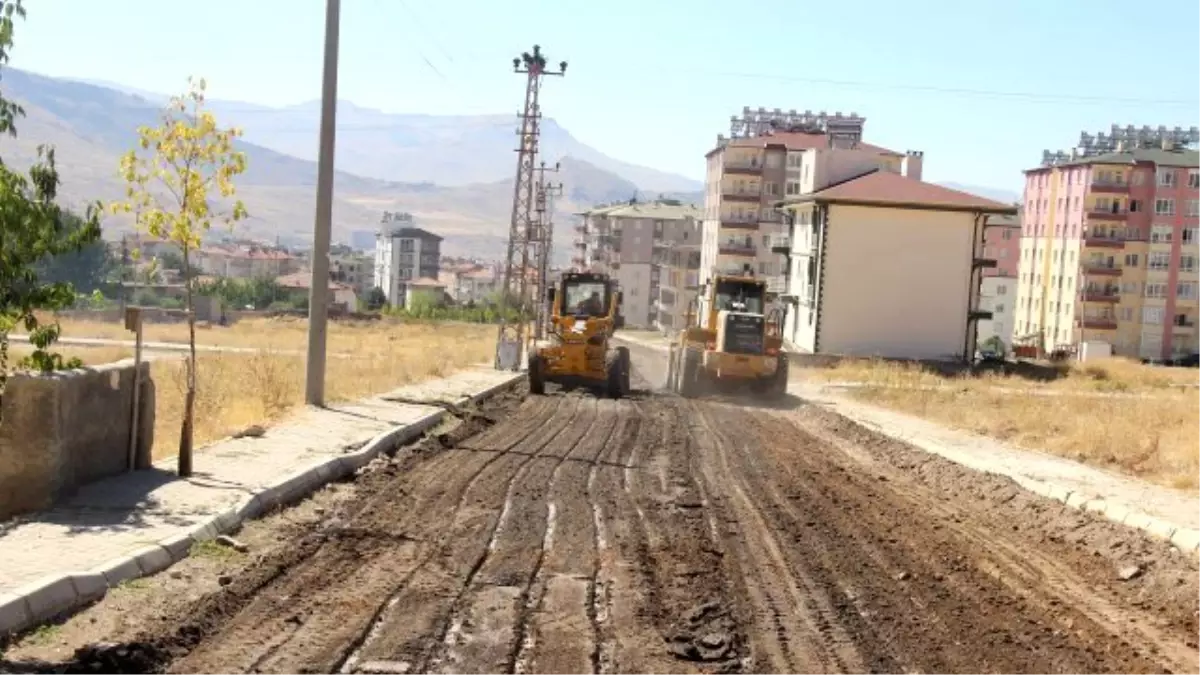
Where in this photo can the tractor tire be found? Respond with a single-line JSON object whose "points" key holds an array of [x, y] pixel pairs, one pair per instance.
{"points": [[612, 369], [537, 375], [779, 381], [626, 368], [672, 370], [689, 374]]}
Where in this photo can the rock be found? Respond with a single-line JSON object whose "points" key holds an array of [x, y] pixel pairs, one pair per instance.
{"points": [[252, 431], [225, 579], [903, 576], [319, 510], [226, 540], [714, 640], [176, 574], [1130, 572]]}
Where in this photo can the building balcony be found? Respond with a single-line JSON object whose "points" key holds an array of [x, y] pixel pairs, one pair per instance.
{"points": [[1103, 241], [732, 271], [743, 247], [1100, 323], [1110, 294], [1110, 186], [746, 168], [781, 246], [1094, 213], [1183, 326], [739, 223], [1102, 269], [743, 195]]}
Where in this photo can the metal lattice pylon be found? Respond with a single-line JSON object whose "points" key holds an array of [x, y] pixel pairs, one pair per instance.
{"points": [[523, 235]]}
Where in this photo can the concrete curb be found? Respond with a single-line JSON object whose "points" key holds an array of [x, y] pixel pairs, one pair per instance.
{"points": [[1184, 538], [51, 597]]}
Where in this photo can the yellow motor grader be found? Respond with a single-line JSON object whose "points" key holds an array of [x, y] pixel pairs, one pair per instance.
{"points": [[585, 309], [730, 340]]}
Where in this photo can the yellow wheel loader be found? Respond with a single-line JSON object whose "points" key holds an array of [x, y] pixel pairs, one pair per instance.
{"points": [[730, 341], [585, 309]]}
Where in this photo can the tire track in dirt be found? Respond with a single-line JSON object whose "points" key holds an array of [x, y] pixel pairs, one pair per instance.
{"points": [[416, 618], [802, 630], [484, 624], [558, 631], [929, 604], [313, 617], [1056, 584]]}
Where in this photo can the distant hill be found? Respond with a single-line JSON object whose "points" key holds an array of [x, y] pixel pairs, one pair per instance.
{"points": [[91, 125]]}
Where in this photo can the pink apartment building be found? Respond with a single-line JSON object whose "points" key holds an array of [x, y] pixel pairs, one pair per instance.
{"points": [[1109, 253]]}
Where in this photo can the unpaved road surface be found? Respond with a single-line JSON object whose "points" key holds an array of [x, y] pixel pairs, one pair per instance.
{"points": [[567, 534]]}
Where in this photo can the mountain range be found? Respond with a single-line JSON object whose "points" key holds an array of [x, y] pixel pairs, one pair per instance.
{"points": [[453, 173], [455, 187]]}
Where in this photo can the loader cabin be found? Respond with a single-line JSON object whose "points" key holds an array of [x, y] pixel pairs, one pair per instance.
{"points": [[585, 296], [743, 299]]}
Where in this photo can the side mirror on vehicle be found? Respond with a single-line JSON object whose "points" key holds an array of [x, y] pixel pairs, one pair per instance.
{"points": [[550, 295], [618, 322], [620, 298]]}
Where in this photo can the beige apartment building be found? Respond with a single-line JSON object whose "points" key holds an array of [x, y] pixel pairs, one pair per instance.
{"points": [[642, 245], [746, 176]]}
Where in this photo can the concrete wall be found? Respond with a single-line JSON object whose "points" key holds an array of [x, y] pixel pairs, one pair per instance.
{"points": [[896, 283], [63, 430]]}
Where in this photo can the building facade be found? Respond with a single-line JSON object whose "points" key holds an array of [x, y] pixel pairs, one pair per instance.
{"points": [[1109, 253], [630, 242], [886, 265], [743, 232], [404, 253], [998, 290]]}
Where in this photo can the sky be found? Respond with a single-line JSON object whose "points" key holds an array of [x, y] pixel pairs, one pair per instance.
{"points": [[981, 87]]}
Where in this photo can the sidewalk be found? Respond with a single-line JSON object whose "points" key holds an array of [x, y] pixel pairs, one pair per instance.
{"points": [[139, 523], [1161, 511]]}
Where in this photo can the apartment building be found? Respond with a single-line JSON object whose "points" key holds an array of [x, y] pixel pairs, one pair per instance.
{"points": [[998, 289], [676, 265], [886, 265], [1108, 252], [245, 261], [353, 269], [633, 243], [404, 253], [746, 176]]}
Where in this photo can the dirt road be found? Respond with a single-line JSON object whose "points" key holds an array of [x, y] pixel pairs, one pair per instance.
{"points": [[655, 534]]}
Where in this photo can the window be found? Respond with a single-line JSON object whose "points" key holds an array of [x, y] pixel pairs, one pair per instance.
{"points": [[999, 309], [1160, 234], [772, 188], [1007, 235], [1154, 290], [1166, 177], [1189, 235], [1159, 261], [1187, 263], [1193, 207], [1135, 206], [793, 187], [1186, 290], [1193, 178], [1164, 207], [1153, 315], [1139, 177], [1002, 289], [1129, 288], [1126, 314], [1131, 260]]}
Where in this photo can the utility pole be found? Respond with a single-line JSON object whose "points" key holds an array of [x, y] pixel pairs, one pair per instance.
{"points": [[521, 233], [318, 299], [546, 193]]}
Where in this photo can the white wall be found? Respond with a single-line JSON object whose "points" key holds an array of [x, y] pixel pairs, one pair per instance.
{"points": [[896, 283], [997, 295], [634, 279]]}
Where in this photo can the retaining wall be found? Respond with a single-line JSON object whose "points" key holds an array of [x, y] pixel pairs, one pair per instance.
{"points": [[65, 429]]}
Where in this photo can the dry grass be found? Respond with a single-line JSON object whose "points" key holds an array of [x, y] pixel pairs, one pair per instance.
{"points": [[1115, 414], [236, 390]]}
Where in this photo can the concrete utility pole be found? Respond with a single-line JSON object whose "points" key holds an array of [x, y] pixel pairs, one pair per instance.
{"points": [[546, 193], [521, 233], [318, 299]]}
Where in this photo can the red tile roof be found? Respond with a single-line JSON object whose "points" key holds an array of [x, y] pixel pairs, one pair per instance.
{"points": [[302, 280], [425, 282], [885, 188]]}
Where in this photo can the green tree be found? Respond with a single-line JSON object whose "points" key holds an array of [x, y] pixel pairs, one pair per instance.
{"points": [[32, 228], [176, 180], [90, 268], [376, 299]]}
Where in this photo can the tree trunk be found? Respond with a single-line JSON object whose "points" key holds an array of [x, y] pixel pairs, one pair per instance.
{"points": [[189, 401]]}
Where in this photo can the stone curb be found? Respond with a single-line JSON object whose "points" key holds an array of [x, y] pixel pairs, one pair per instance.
{"points": [[1184, 538], [48, 598]]}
